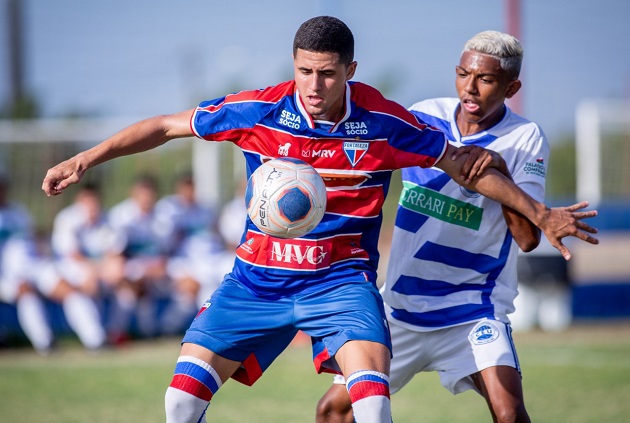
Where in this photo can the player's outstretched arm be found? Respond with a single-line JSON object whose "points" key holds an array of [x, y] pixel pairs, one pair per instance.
{"points": [[556, 223], [140, 136], [524, 232]]}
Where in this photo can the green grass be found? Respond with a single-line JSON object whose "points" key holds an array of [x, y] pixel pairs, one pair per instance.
{"points": [[582, 375]]}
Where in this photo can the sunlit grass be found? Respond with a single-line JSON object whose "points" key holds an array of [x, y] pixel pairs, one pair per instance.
{"points": [[578, 376]]}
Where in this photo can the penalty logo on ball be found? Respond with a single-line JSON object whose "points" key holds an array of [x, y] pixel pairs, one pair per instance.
{"points": [[285, 198]]}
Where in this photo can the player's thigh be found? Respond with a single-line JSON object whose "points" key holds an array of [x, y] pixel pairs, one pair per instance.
{"points": [[412, 352], [471, 348], [223, 366], [238, 326], [500, 385], [363, 355], [348, 316]]}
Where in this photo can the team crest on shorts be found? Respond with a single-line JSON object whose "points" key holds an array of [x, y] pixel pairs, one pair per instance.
{"points": [[483, 333]]}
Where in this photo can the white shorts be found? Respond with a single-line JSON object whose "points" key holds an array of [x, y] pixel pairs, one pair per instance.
{"points": [[455, 353], [137, 268], [73, 271], [41, 275]]}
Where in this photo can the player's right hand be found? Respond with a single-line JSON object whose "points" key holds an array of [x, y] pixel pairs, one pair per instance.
{"points": [[61, 176], [561, 222], [478, 160]]}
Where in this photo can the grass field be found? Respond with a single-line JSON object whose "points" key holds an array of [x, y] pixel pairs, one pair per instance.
{"points": [[578, 376]]}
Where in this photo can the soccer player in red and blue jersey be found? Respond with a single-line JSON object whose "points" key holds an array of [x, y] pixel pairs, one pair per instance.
{"points": [[322, 283]]}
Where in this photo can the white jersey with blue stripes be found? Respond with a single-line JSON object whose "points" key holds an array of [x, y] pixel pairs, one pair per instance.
{"points": [[453, 259]]}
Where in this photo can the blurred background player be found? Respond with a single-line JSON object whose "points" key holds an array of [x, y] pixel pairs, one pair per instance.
{"points": [[15, 286], [232, 218], [195, 249], [25, 276], [83, 244], [184, 212], [145, 251], [446, 300]]}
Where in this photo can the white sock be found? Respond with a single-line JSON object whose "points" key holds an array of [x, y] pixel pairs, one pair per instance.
{"points": [[189, 394], [84, 319], [369, 392], [32, 317]]}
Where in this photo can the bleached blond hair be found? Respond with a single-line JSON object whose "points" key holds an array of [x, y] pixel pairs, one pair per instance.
{"points": [[506, 48]]}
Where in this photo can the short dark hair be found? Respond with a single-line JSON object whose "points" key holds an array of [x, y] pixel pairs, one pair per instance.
{"points": [[90, 187], [146, 180], [325, 34]]}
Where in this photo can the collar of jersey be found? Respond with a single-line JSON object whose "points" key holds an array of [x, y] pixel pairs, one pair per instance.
{"points": [[309, 119], [468, 139]]}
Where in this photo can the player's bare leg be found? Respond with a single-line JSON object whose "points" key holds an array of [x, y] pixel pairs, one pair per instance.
{"points": [[335, 406], [199, 374], [501, 387], [365, 366]]}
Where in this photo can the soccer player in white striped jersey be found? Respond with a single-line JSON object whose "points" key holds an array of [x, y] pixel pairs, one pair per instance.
{"points": [[451, 279]]}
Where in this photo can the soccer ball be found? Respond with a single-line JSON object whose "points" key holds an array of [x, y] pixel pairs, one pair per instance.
{"points": [[285, 198]]}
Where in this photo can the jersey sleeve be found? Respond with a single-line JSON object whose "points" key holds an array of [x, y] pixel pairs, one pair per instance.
{"points": [[413, 142], [428, 144], [229, 118], [529, 171]]}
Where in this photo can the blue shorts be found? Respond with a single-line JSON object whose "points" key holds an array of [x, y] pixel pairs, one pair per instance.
{"points": [[237, 325]]}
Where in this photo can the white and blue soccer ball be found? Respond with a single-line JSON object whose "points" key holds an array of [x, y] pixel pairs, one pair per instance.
{"points": [[285, 198]]}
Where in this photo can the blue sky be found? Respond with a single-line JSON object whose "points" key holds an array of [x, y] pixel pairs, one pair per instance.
{"points": [[144, 57]]}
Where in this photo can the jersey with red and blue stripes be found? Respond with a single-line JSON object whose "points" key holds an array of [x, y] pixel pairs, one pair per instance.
{"points": [[356, 157]]}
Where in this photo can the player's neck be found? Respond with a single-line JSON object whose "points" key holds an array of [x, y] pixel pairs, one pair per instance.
{"points": [[469, 127]]}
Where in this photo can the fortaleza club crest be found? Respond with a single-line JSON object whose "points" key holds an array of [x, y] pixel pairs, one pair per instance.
{"points": [[355, 150]]}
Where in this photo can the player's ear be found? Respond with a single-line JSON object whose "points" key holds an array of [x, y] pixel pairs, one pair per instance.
{"points": [[513, 88], [352, 68]]}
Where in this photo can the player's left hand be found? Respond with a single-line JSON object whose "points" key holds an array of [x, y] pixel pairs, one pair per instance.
{"points": [[567, 221], [62, 175], [478, 160]]}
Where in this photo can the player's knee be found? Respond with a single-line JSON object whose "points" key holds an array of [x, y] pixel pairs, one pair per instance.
{"points": [[510, 413], [190, 391], [334, 407]]}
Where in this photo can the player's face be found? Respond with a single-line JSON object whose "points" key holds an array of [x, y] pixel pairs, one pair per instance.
{"points": [[91, 205], [145, 197], [186, 190], [482, 87], [321, 81]]}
